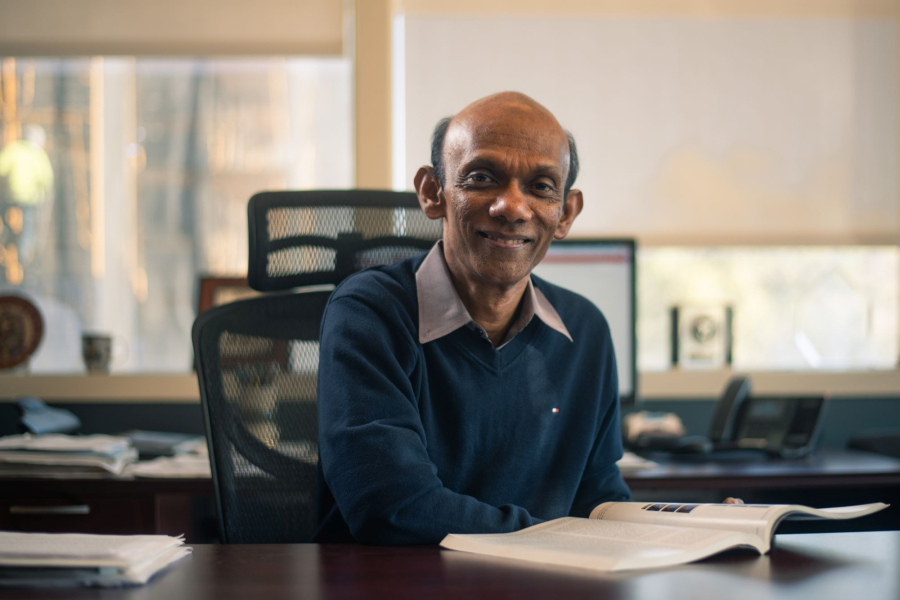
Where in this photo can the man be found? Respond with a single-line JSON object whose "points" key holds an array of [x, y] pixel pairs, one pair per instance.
{"points": [[457, 393]]}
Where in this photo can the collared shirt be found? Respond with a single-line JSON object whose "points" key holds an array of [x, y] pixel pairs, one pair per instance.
{"points": [[441, 310]]}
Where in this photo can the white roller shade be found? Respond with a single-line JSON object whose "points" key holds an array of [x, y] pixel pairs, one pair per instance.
{"points": [[170, 27], [726, 130]]}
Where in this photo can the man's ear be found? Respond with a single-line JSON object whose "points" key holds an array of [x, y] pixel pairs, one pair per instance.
{"points": [[431, 196], [574, 204]]}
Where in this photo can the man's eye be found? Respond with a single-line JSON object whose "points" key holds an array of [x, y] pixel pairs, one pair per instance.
{"points": [[480, 178], [544, 187]]}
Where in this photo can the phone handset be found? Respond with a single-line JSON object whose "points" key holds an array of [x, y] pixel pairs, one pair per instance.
{"points": [[723, 427]]}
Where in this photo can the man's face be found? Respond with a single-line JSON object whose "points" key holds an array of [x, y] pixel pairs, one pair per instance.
{"points": [[505, 173]]}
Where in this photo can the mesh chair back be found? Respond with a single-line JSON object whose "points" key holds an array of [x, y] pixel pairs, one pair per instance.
{"points": [[256, 363], [321, 237], [257, 359]]}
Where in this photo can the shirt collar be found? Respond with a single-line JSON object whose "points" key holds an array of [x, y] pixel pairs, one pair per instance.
{"points": [[441, 311]]}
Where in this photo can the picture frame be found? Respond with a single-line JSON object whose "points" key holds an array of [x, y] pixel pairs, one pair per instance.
{"points": [[216, 291]]}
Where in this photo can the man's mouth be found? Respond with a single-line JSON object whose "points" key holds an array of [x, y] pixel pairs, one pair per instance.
{"points": [[504, 240]]}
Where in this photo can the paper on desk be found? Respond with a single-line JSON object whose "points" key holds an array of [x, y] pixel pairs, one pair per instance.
{"points": [[41, 559], [183, 465], [631, 462], [53, 472], [54, 442], [64, 548], [114, 464]]}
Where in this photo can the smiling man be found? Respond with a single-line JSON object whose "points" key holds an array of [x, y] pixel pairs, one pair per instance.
{"points": [[457, 392]]}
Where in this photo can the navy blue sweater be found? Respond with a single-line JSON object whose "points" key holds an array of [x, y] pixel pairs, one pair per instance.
{"points": [[453, 436]]}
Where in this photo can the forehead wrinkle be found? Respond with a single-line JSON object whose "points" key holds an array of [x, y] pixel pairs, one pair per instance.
{"points": [[509, 128], [507, 149], [517, 139]]}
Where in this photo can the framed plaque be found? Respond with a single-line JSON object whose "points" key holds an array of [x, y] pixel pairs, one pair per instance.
{"points": [[701, 336]]}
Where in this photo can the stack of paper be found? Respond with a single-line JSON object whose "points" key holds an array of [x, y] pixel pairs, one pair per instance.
{"points": [[631, 462], [72, 559], [57, 455], [152, 444], [189, 466]]}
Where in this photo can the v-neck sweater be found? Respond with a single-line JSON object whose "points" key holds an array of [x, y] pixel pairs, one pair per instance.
{"points": [[454, 436]]}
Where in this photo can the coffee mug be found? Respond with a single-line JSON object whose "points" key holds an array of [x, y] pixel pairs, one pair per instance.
{"points": [[97, 351]]}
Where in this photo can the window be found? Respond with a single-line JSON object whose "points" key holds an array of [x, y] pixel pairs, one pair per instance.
{"points": [[122, 180], [795, 308]]}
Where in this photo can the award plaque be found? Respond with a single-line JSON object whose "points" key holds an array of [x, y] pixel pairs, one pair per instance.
{"points": [[701, 336]]}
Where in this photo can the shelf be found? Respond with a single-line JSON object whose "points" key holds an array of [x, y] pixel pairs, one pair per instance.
{"points": [[670, 385], [165, 388], [696, 385]]}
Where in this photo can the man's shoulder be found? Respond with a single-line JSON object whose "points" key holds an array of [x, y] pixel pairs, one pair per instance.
{"points": [[384, 283]]}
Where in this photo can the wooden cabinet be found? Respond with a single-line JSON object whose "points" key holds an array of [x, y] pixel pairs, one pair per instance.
{"points": [[117, 506]]}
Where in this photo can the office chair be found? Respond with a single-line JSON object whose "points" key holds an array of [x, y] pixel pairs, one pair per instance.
{"points": [[257, 359]]}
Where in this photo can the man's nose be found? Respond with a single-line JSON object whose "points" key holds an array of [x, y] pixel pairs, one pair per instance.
{"points": [[512, 205]]}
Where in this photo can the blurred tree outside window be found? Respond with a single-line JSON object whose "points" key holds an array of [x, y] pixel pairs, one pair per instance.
{"points": [[123, 180]]}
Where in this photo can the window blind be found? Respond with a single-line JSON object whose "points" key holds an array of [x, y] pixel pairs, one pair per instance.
{"points": [[171, 27], [738, 130]]}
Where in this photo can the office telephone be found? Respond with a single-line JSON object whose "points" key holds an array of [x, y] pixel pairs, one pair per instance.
{"points": [[782, 426]]}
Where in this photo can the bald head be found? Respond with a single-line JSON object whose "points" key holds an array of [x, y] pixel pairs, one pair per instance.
{"points": [[497, 106], [534, 124]]}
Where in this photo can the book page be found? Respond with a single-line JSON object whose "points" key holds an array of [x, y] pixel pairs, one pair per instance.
{"points": [[754, 519], [601, 545]]}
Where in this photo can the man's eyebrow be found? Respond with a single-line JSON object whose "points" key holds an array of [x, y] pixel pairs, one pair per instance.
{"points": [[480, 162], [483, 162]]}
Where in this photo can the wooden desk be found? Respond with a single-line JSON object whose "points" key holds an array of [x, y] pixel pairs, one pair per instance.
{"points": [[814, 567], [835, 469], [164, 506], [175, 506], [827, 478]]}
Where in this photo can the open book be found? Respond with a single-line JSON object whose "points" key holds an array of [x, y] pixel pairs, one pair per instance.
{"points": [[619, 536]]}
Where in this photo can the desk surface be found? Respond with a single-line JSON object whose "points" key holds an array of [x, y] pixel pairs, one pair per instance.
{"points": [[829, 478], [820, 567], [826, 468]]}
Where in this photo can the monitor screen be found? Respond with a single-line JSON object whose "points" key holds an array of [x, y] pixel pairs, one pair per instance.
{"points": [[603, 272]]}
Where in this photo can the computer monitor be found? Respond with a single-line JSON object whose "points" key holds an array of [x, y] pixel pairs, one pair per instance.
{"points": [[603, 271]]}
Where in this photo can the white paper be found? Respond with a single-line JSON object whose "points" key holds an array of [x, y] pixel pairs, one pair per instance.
{"points": [[631, 462], [67, 559], [114, 464], [62, 549], [185, 465], [55, 442]]}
